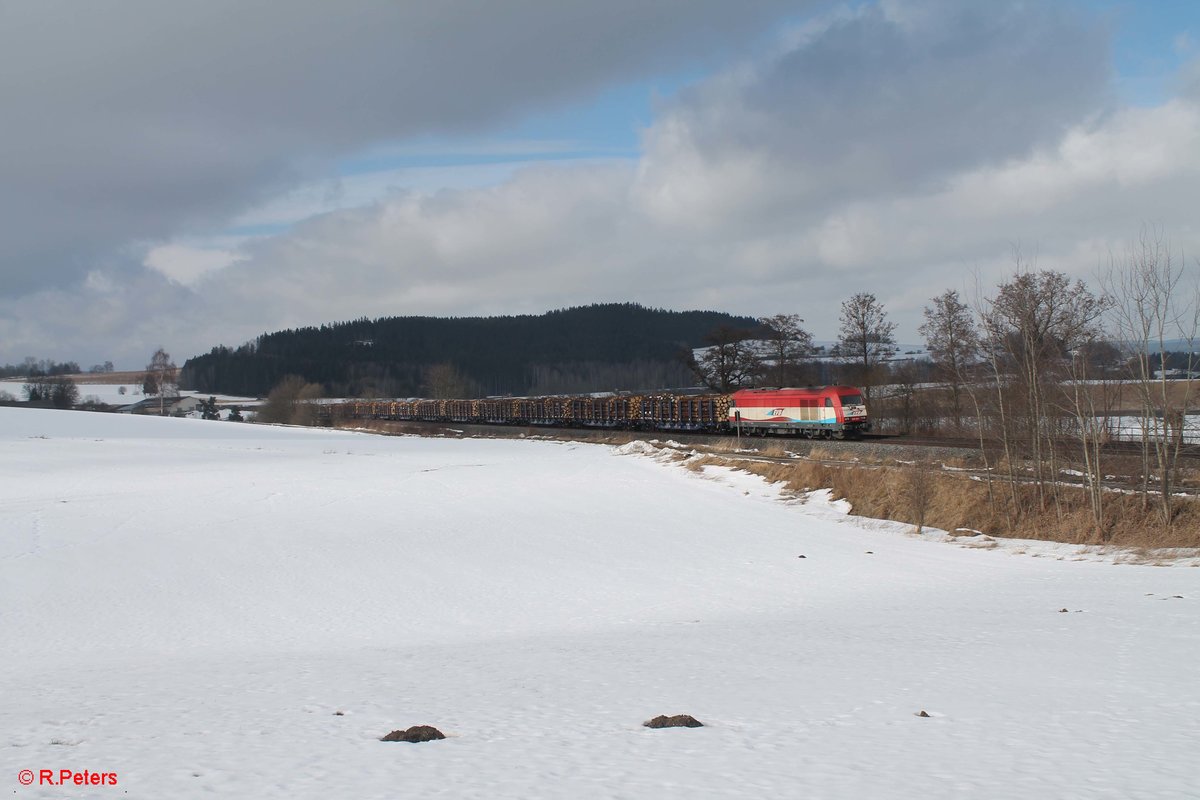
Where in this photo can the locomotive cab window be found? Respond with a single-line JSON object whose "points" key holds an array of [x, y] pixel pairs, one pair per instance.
{"points": [[829, 402], [851, 399]]}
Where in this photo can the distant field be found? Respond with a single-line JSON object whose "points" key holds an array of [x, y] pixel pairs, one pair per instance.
{"points": [[106, 388], [106, 378], [109, 377], [1117, 398]]}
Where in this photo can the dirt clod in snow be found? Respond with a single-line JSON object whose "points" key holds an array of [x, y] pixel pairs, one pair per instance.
{"points": [[417, 733], [1062, 611], [677, 721], [801, 556], [923, 714]]}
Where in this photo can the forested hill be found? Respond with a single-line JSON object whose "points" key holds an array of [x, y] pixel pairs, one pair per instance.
{"points": [[591, 348]]}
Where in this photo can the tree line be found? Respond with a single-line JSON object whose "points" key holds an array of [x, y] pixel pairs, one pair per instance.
{"points": [[39, 368], [1046, 371], [779, 351], [52, 391]]}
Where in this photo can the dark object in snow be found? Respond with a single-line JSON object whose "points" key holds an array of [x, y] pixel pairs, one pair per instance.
{"points": [[801, 556], [417, 733], [339, 713], [677, 721], [923, 714], [1062, 611], [870, 552]]}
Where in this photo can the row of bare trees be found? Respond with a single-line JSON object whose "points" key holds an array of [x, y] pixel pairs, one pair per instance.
{"points": [[1154, 300], [780, 352], [1046, 370]]}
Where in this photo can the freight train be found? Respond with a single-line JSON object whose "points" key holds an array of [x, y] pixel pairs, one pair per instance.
{"points": [[830, 412]]}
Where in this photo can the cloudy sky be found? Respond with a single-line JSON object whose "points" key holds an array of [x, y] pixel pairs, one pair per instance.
{"points": [[192, 174]]}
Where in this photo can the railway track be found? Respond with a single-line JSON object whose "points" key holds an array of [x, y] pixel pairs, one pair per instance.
{"points": [[1190, 452]]}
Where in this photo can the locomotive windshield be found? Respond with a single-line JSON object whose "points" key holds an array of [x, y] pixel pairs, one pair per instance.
{"points": [[851, 399]]}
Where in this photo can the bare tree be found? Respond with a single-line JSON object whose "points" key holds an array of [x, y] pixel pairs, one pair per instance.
{"points": [[902, 405], [1087, 396], [788, 344], [1154, 305], [953, 341], [919, 488], [729, 360], [1035, 321], [159, 377], [866, 336], [291, 402], [993, 353], [445, 382]]}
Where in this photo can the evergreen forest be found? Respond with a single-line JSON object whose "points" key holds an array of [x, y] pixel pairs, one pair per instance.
{"points": [[602, 347]]}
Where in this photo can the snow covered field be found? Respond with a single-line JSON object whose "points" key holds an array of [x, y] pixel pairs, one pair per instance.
{"points": [[189, 604], [1131, 428], [112, 394]]}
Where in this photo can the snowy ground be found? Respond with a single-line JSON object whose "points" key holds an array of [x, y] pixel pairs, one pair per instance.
{"points": [[1131, 428], [188, 604], [109, 393], [112, 394]]}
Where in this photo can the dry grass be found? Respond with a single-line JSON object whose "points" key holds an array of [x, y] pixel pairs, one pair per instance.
{"points": [[727, 446], [820, 453], [698, 464], [774, 450], [109, 378], [925, 494]]}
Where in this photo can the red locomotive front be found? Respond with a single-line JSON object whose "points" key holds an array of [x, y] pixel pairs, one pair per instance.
{"points": [[827, 412]]}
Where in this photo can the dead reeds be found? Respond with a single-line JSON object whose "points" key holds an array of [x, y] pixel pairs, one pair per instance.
{"points": [[928, 495]]}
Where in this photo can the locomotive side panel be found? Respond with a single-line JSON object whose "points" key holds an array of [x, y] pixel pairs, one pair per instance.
{"points": [[825, 412]]}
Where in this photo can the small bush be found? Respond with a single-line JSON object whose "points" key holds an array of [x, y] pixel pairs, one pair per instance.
{"points": [[290, 402], [417, 733], [677, 721]]}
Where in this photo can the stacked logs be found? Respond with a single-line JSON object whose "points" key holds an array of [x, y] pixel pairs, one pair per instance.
{"points": [[669, 411]]}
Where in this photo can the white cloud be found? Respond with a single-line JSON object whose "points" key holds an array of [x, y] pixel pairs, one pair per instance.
{"points": [[164, 119], [365, 188], [553, 236], [187, 265], [905, 165]]}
